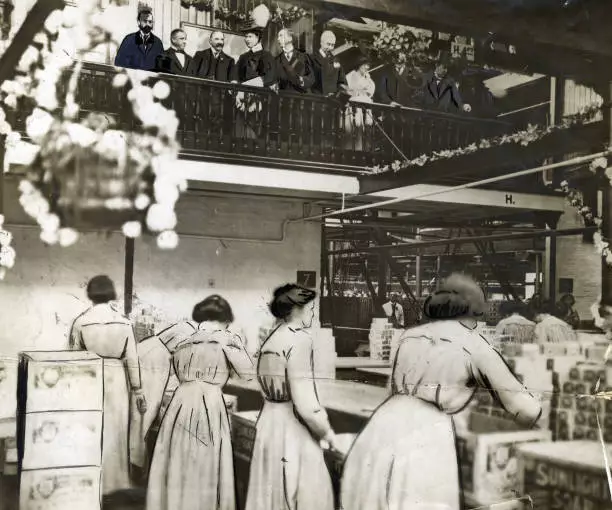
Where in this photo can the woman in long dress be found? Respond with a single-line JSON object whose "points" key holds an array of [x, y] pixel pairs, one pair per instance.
{"points": [[157, 376], [288, 470], [361, 88], [405, 458], [105, 331], [192, 466]]}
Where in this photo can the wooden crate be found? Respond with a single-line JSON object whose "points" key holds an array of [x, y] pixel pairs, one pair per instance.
{"points": [[565, 475]]}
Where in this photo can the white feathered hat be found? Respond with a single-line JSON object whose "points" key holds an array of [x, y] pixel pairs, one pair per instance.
{"points": [[260, 17]]}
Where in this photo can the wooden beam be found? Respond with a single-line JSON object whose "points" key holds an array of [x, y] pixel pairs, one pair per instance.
{"points": [[128, 280], [34, 23]]}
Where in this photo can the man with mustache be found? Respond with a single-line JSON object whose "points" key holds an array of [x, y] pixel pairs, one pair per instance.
{"points": [[141, 49], [174, 60], [213, 63]]}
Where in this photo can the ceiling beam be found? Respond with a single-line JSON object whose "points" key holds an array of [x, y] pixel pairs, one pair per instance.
{"points": [[582, 34]]}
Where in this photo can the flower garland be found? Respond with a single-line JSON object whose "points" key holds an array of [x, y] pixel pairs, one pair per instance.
{"points": [[398, 43], [7, 252], [65, 146], [531, 134], [281, 15], [200, 5]]}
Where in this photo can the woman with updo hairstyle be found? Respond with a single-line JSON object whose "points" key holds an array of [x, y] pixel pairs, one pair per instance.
{"points": [[287, 465], [192, 466], [103, 330], [405, 458]]}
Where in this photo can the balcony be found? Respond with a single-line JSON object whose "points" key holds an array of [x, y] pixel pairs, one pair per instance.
{"points": [[296, 131]]}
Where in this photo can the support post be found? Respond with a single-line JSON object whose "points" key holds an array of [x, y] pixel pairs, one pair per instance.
{"points": [[606, 227], [128, 281], [418, 270]]}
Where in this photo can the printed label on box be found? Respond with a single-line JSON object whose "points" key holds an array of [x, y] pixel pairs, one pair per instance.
{"points": [[63, 439], [60, 489], [66, 386]]}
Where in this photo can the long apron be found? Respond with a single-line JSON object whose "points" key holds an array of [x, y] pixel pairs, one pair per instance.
{"points": [[404, 459], [115, 463]]}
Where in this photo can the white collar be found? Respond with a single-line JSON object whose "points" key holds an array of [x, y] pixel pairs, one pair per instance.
{"points": [[289, 49], [257, 47], [176, 49], [323, 54], [144, 36]]}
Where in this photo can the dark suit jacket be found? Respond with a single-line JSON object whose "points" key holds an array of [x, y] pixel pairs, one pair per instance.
{"points": [[202, 61], [169, 63], [290, 72], [134, 55], [327, 78], [255, 64], [396, 88], [444, 97]]}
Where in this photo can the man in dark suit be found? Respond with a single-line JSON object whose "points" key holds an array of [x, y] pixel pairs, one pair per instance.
{"points": [[440, 91], [140, 49], [213, 63], [294, 75], [396, 87], [293, 65], [174, 60], [329, 81], [329, 77]]}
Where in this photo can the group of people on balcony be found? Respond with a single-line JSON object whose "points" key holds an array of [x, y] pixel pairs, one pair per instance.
{"points": [[293, 70]]}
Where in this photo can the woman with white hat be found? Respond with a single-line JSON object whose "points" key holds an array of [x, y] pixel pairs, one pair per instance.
{"points": [[405, 458]]}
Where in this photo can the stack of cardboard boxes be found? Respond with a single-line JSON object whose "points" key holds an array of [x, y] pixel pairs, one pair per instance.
{"points": [[59, 430], [384, 340]]}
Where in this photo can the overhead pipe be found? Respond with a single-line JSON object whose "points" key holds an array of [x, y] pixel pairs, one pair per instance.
{"points": [[569, 162], [463, 240]]}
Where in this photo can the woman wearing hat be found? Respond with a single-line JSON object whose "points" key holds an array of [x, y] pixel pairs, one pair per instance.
{"points": [[256, 68], [405, 458], [105, 331], [287, 467]]}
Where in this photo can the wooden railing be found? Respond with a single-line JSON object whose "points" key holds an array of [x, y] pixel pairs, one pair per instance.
{"points": [[286, 129]]}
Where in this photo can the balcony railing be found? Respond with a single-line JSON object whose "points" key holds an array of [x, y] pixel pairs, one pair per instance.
{"points": [[286, 129]]}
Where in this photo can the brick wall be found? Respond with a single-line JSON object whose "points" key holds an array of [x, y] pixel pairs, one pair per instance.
{"points": [[578, 260]]}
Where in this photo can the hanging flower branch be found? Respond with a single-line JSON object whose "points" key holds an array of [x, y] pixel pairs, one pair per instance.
{"points": [[288, 15], [531, 134], [7, 252], [397, 43], [200, 5], [281, 15], [574, 197], [85, 172]]}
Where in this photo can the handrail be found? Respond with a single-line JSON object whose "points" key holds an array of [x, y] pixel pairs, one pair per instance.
{"points": [[276, 128], [311, 97]]}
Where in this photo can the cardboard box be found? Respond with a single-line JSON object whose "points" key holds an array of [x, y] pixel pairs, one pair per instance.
{"points": [[61, 489], [489, 464], [565, 475], [62, 439], [8, 388], [65, 380]]}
